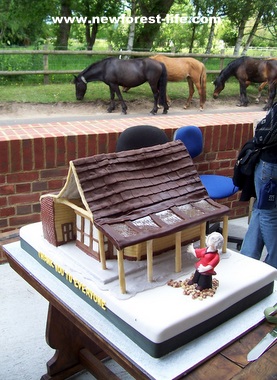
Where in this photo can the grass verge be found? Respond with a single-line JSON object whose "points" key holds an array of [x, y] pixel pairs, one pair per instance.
{"points": [[54, 93]]}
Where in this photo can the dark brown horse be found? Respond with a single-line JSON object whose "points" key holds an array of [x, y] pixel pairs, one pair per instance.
{"points": [[128, 73], [247, 69], [261, 87]]}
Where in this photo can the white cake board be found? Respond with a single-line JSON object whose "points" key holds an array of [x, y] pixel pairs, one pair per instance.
{"points": [[169, 367]]}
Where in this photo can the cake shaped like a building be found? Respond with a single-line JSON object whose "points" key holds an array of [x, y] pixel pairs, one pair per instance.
{"points": [[134, 205]]}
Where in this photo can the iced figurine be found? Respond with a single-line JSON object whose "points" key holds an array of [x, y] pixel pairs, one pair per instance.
{"points": [[209, 258]]}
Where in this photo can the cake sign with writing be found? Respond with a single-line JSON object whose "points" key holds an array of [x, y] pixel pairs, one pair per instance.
{"points": [[77, 284]]}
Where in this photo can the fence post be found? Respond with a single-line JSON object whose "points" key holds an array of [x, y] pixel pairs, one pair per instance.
{"points": [[45, 65]]}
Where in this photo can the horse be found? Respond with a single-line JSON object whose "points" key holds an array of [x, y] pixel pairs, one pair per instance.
{"points": [[194, 71], [247, 69], [260, 90], [130, 73], [261, 87]]}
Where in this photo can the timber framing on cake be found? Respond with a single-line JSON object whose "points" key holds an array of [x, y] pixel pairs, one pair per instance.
{"points": [[112, 203]]}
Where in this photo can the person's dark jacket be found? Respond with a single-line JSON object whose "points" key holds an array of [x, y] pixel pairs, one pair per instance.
{"points": [[245, 182]]}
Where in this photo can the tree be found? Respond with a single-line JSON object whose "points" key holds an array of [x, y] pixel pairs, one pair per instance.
{"points": [[211, 9], [146, 33], [214, 9], [239, 14], [91, 10], [132, 28], [197, 5], [252, 32], [19, 27], [247, 12], [269, 18], [64, 27]]}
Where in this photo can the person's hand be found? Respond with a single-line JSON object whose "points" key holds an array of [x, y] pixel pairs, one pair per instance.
{"points": [[202, 268], [190, 249]]}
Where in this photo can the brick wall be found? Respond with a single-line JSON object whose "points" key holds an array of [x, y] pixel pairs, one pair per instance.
{"points": [[34, 161]]}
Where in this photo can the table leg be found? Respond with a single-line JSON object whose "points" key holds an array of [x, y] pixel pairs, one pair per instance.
{"points": [[68, 340]]}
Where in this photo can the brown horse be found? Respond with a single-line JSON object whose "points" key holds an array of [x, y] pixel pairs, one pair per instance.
{"points": [[179, 69], [260, 90], [246, 70], [261, 87]]}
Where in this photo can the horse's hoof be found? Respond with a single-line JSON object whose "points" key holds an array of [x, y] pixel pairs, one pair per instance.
{"points": [[201, 109], [164, 112], [242, 105], [266, 108]]}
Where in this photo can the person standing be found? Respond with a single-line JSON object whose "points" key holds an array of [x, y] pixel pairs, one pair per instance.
{"points": [[262, 229]]}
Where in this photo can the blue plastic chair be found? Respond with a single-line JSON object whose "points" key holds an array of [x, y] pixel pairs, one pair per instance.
{"points": [[217, 186]]}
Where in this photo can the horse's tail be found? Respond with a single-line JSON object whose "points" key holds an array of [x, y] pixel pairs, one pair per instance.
{"points": [[203, 83], [162, 86]]}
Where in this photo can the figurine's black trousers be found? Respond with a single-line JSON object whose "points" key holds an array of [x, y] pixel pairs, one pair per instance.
{"points": [[203, 280]]}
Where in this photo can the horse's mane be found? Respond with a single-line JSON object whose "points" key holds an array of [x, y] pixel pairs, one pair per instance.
{"points": [[94, 64], [231, 68]]}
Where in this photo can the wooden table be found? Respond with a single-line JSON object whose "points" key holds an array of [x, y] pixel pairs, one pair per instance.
{"points": [[82, 338]]}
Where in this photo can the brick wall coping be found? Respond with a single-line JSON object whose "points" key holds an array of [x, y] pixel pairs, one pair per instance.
{"points": [[108, 125]]}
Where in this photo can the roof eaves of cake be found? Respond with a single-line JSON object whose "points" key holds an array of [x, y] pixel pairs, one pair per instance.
{"points": [[70, 191]]}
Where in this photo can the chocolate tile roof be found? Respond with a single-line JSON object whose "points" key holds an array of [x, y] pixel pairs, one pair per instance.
{"points": [[141, 194]]}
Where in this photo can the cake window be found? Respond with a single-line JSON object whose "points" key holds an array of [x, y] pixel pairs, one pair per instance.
{"points": [[78, 221], [168, 217], [84, 231], [145, 222], [67, 231], [86, 240], [95, 246], [189, 211], [124, 230], [87, 226]]}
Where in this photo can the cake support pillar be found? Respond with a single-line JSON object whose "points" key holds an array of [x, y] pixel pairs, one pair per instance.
{"points": [[203, 234], [102, 250], [121, 272], [149, 250], [225, 233], [178, 248]]}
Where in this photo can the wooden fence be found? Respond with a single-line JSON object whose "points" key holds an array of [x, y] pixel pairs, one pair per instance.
{"points": [[46, 53]]}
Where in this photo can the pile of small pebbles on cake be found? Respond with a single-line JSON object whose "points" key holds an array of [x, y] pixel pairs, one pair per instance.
{"points": [[190, 290]]}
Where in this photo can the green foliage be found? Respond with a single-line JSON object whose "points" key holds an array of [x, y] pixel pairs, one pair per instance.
{"points": [[228, 34], [34, 62], [18, 62], [23, 21]]}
